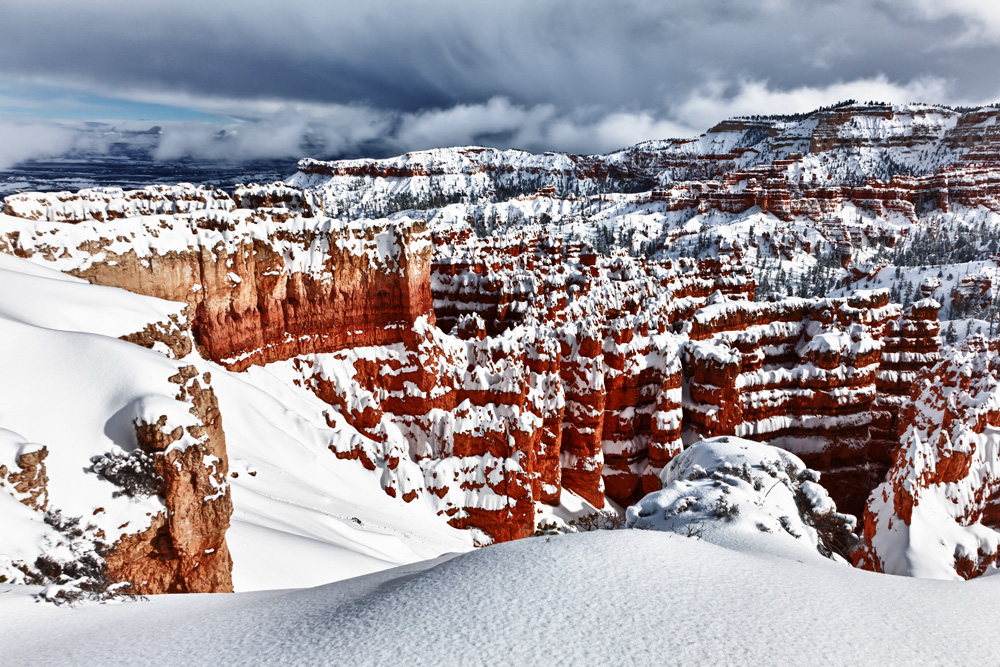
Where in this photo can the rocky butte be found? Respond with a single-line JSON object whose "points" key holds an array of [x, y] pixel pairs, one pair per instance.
{"points": [[490, 330]]}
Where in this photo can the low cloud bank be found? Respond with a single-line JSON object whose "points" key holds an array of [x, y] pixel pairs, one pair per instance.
{"points": [[275, 130]]}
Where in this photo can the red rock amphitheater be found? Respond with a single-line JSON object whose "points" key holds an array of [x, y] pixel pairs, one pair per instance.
{"points": [[487, 375]]}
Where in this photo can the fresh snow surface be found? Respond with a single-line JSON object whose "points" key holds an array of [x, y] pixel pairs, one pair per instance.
{"points": [[306, 517], [41, 297], [625, 597], [73, 388], [952, 410]]}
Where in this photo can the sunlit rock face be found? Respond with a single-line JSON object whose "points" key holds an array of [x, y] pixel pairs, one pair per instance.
{"points": [[263, 284]]}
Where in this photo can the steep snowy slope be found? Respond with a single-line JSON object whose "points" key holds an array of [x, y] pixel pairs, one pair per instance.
{"points": [[301, 516], [610, 597], [72, 391], [935, 516]]}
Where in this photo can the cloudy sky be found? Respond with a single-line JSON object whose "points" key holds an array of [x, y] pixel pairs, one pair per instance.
{"points": [[250, 79]]}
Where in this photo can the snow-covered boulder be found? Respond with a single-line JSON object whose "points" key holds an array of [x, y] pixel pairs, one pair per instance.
{"points": [[747, 496]]}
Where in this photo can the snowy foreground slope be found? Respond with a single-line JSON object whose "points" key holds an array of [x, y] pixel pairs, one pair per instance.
{"points": [[301, 516], [609, 597]]}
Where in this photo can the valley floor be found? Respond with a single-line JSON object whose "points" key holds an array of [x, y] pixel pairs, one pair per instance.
{"points": [[628, 597]]}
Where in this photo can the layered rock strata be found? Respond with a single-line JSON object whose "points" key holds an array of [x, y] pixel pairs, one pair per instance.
{"points": [[262, 286], [602, 346], [796, 373], [911, 344], [946, 147], [472, 426], [612, 316]]}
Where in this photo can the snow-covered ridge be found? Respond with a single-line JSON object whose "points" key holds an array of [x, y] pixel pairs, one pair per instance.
{"points": [[715, 605], [110, 203], [81, 409], [236, 269]]}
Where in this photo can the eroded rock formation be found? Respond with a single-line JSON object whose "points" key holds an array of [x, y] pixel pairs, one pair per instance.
{"points": [[552, 366], [184, 548], [262, 286], [821, 378], [565, 366], [26, 478], [936, 515]]}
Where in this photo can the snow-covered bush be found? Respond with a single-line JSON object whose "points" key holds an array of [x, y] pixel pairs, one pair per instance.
{"points": [[71, 567], [597, 521], [134, 472], [746, 495]]}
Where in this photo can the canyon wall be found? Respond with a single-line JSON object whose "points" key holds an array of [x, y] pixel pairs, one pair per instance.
{"points": [[553, 366], [263, 285], [613, 317], [818, 377], [563, 368]]}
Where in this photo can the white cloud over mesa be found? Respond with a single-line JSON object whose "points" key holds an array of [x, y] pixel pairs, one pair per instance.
{"points": [[274, 129], [387, 76]]}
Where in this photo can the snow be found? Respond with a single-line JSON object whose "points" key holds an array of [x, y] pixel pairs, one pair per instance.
{"points": [[607, 597], [304, 243], [306, 517], [953, 408], [38, 296], [745, 589], [78, 392], [740, 494]]}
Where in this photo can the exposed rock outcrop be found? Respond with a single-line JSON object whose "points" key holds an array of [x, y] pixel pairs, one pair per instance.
{"points": [[618, 362], [25, 477], [173, 337], [797, 373], [184, 549], [911, 344]]}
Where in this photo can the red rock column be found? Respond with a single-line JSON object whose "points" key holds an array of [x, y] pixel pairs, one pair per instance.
{"points": [[582, 372]]}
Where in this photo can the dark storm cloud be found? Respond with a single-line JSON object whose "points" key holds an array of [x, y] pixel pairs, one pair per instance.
{"points": [[571, 75]]}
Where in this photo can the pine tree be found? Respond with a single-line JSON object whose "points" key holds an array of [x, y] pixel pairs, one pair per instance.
{"points": [[949, 334]]}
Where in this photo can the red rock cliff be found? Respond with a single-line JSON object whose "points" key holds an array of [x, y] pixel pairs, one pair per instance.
{"points": [[262, 287]]}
